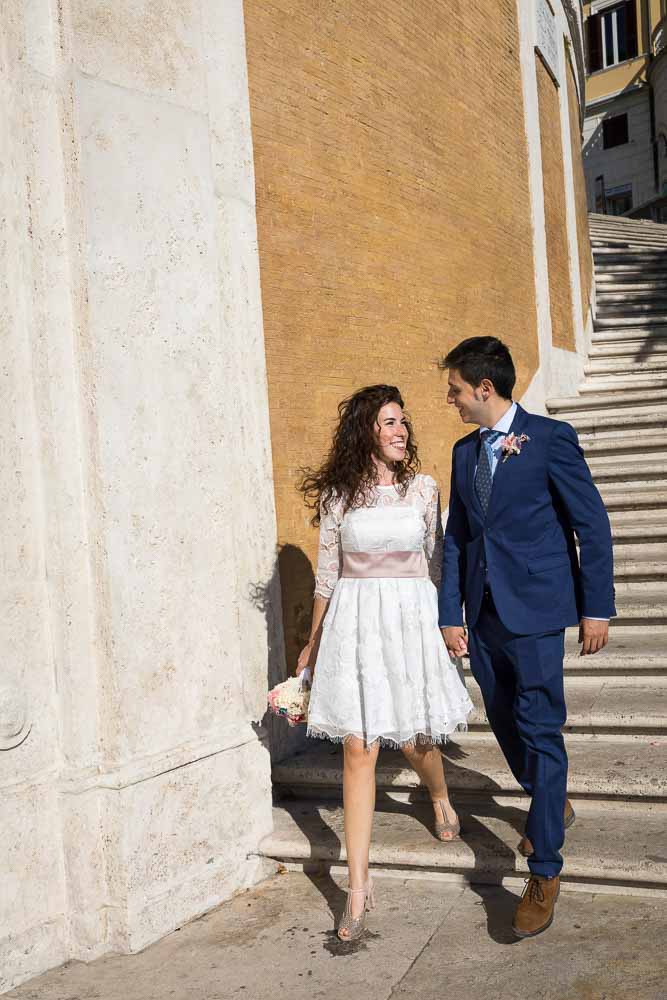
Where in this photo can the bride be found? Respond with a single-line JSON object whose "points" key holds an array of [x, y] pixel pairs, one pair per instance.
{"points": [[381, 672]]}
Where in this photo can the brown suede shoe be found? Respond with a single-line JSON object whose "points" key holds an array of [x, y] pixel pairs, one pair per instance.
{"points": [[535, 912], [526, 848]]}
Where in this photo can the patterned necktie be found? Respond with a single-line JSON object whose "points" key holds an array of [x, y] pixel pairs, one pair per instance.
{"points": [[484, 475]]}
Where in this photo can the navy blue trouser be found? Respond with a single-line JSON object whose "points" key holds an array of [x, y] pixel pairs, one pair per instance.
{"points": [[521, 678]]}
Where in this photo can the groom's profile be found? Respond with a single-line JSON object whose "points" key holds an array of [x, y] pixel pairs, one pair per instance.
{"points": [[521, 493]]}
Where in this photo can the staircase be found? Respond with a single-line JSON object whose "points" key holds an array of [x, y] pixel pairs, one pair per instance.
{"points": [[616, 731]]}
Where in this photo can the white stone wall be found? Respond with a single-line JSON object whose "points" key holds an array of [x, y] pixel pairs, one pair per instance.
{"points": [[136, 488], [631, 163], [559, 371]]}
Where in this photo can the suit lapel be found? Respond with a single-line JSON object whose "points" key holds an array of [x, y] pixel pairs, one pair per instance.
{"points": [[501, 472]]}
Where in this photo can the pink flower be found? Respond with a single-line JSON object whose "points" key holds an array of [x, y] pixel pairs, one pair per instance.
{"points": [[511, 445]]}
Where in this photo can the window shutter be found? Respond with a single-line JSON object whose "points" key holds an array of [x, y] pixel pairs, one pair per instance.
{"points": [[631, 22], [594, 28]]}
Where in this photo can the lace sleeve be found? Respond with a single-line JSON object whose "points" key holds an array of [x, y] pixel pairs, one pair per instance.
{"points": [[329, 557], [433, 543]]}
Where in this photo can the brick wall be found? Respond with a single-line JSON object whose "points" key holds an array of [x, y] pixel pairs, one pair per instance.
{"points": [[394, 220], [558, 253], [583, 237]]}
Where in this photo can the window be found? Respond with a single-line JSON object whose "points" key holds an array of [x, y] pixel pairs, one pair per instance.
{"points": [[612, 35], [600, 204], [614, 131], [618, 199]]}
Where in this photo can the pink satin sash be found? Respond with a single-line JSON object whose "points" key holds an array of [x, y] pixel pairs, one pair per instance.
{"points": [[368, 565]]}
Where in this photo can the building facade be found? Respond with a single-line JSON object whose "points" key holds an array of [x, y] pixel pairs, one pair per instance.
{"points": [[221, 219], [384, 239], [625, 137]]}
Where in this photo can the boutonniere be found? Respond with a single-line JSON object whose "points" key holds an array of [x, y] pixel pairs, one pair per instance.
{"points": [[512, 445]]}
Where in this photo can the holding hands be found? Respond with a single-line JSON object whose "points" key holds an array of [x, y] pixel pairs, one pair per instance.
{"points": [[456, 640], [593, 636]]}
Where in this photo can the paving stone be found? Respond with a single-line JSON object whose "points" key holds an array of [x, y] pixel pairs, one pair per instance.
{"points": [[425, 939]]}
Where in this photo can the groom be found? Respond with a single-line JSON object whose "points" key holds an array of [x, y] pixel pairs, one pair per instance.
{"points": [[520, 492]]}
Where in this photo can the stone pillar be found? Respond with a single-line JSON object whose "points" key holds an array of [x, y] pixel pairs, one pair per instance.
{"points": [[137, 496]]}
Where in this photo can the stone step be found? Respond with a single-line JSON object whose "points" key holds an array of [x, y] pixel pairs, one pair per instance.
{"points": [[641, 603], [643, 415], [624, 466], [627, 229], [629, 250], [629, 284], [622, 400], [627, 366], [656, 487], [606, 336], [632, 649], [649, 532], [602, 704], [607, 258], [599, 768], [643, 447], [602, 219], [617, 387], [645, 566], [629, 246], [625, 239], [626, 270], [627, 297], [605, 320], [627, 498], [637, 348], [638, 523], [611, 307], [605, 846]]}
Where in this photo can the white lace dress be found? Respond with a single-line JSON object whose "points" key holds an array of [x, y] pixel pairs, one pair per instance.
{"points": [[383, 672]]}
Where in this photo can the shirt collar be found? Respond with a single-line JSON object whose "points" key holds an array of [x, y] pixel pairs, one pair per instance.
{"points": [[504, 423]]}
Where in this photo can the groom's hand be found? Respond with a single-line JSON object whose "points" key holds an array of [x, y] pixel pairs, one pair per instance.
{"points": [[456, 640], [593, 635]]}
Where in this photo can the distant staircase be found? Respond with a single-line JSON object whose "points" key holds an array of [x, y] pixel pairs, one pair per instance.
{"points": [[616, 731]]}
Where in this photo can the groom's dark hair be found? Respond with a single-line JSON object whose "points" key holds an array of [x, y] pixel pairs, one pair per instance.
{"points": [[478, 358]]}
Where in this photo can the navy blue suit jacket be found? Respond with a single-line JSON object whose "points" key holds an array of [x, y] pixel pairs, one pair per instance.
{"points": [[524, 549]]}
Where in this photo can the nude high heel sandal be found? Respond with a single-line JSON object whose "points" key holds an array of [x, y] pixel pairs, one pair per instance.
{"points": [[446, 832], [351, 928]]}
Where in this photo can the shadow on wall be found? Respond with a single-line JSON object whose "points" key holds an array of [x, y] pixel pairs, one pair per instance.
{"points": [[286, 601]]}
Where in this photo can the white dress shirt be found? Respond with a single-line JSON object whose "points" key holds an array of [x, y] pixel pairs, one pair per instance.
{"points": [[503, 425]]}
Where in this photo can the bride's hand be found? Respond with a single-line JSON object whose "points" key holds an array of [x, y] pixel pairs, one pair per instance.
{"points": [[456, 640], [306, 658]]}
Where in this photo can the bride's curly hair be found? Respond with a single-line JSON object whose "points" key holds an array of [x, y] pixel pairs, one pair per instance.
{"points": [[348, 473]]}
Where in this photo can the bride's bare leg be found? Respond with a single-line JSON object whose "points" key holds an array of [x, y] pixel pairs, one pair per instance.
{"points": [[359, 805], [427, 762]]}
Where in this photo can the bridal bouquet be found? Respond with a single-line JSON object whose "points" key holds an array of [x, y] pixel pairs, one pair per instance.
{"points": [[290, 699]]}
